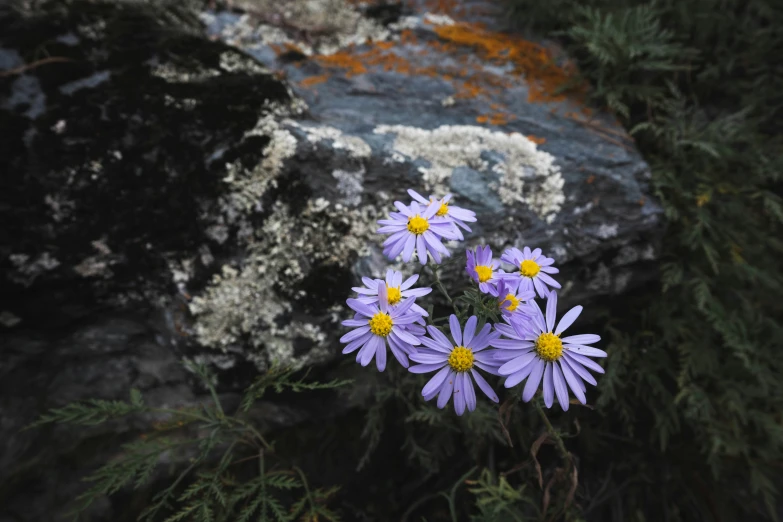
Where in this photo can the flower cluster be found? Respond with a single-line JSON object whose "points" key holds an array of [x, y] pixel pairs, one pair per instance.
{"points": [[497, 326], [422, 226]]}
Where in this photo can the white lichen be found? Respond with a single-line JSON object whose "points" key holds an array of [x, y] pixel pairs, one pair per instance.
{"points": [[350, 186], [244, 305], [97, 265], [311, 27], [59, 127], [173, 73], [234, 62], [60, 207], [27, 271], [185, 104], [355, 146], [406, 23], [438, 19], [528, 176], [247, 186], [416, 22], [606, 231]]}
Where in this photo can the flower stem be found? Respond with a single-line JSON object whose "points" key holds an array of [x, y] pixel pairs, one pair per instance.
{"points": [[439, 284], [553, 433]]}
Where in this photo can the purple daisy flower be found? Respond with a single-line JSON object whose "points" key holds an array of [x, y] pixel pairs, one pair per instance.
{"points": [[397, 290], [413, 228], [539, 352], [377, 324], [511, 298], [482, 268], [457, 215], [456, 363], [532, 268]]}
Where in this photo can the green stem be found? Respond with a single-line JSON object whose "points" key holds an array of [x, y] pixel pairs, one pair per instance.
{"points": [[183, 413], [306, 488], [263, 482], [439, 285], [251, 429], [553, 433]]}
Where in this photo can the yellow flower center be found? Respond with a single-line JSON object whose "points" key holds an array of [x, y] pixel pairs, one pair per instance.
{"points": [[484, 273], [461, 359], [443, 210], [418, 225], [380, 324], [549, 347], [512, 301], [393, 294], [527, 268]]}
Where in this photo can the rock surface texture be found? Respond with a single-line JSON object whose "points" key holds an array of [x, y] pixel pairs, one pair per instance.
{"points": [[175, 187]]}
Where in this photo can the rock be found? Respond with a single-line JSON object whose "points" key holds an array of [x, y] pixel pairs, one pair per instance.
{"points": [[438, 102], [167, 195]]}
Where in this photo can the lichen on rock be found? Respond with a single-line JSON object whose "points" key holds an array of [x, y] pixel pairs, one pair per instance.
{"points": [[312, 27], [282, 293], [527, 175], [354, 145], [248, 186]]}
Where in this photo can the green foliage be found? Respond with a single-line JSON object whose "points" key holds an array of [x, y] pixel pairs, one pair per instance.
{"points": [[92, 412], [280, 379], [693, 381], [630, 52], [226, 478], [431, 435], [498, 501]]}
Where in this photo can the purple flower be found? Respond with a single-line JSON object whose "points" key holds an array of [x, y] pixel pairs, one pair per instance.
{"points": [[413, 228], [397, 291], [377, 324], [511, 299], [457, 215], [482, 268], [456, 363], [532, 268], [534, 351]]}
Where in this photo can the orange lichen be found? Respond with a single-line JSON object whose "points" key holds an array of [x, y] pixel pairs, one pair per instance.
{"points": [[544, 76], [344, 59], [286, 47], [536, 139], [500, 118], [450, 61], [313, 80], [590, 179]]}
